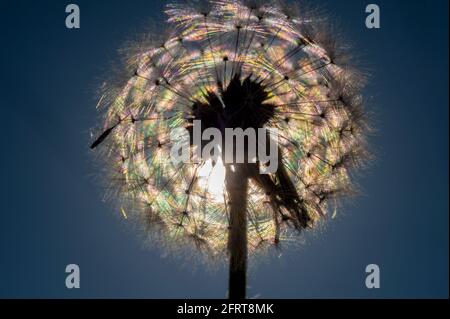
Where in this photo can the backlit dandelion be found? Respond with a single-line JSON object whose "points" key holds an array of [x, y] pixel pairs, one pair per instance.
{"points": [[234, 64]]}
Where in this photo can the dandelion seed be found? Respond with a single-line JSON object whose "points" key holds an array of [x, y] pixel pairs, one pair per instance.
{"points": [[124, 214]]}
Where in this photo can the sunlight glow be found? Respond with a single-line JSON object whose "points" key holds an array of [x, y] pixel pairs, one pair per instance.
{"points": [[213, 179]]}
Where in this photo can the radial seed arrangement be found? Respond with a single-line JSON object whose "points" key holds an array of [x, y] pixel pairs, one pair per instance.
{"points": [[234, 64]]}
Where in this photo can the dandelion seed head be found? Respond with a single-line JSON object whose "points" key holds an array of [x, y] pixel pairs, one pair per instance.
{"points": [[301, 84]]}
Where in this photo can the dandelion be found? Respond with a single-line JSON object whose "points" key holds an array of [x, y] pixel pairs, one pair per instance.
{"points": [[235, 64]]}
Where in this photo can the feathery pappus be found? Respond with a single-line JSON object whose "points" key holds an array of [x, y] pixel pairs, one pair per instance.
{"points": [[232, 63]]}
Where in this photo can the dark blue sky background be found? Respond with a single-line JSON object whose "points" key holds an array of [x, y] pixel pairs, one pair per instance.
{"points": [[52, 213]]}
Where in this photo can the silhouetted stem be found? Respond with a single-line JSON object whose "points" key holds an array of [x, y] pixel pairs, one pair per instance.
{"points": [[237, 185]]}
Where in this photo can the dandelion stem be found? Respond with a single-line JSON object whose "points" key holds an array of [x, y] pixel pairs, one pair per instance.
{"points": [[237, 186]]}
